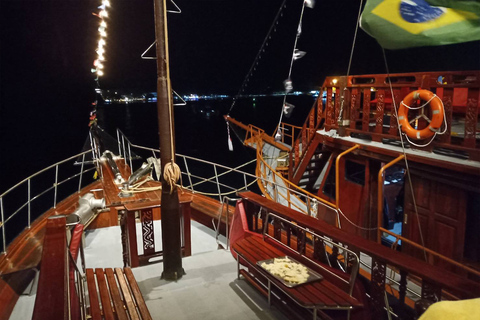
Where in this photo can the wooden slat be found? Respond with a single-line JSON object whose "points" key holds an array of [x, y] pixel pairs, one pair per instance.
{"points": [[104, 295], [127, 296], [320, 294], [93, 296], [142, 307], [466, 287], [115, 294]]}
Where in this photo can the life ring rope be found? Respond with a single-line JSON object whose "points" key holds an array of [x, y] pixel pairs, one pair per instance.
{"points": [[423, 105]]}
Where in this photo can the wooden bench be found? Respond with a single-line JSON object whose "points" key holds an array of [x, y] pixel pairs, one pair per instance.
{"points": [[117, 297], [317, 295]]}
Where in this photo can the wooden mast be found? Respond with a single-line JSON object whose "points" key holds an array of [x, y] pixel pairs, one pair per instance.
{"points": [[172, 256]]}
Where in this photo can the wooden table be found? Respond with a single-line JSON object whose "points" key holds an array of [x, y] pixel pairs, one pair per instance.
{"points": [[317, 295], [145, 212]]}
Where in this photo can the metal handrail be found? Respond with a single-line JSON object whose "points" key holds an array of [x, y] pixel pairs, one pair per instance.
{"points": [[356, 260], [30, 199], [226, 200]]}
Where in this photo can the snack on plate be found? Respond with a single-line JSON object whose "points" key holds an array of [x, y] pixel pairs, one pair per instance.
{"points": [[288, 270]]}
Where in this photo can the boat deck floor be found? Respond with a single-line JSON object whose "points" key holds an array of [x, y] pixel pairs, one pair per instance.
{"points": [[209, 290]]}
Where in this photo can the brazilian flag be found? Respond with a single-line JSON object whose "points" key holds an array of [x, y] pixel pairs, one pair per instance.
{"points": [[398, 24]]}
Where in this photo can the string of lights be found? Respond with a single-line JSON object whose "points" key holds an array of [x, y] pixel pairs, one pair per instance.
{"points": [[98, 67], [102, 15]]}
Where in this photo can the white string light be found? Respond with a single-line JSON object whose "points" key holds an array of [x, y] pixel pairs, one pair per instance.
{"points": [[100, 50]]}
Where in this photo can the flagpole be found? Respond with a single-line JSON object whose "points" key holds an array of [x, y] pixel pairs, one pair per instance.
{"points": [[170, 209]]}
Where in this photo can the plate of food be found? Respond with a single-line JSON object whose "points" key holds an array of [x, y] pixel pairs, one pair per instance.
{"points": [[289, 271]]}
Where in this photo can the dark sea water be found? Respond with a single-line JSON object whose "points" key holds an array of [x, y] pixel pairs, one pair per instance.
{"points": [[200, 132]]}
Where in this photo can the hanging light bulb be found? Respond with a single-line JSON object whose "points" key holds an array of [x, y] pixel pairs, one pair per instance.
{"points": [[106, 3], [310, 3], [103, 34], [103, 24], [100, 72], [101, 43], [100, 51], [99, 65], [103, 14], [298, 54], [101, 57]]}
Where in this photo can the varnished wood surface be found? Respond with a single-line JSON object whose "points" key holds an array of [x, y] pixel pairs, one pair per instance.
{"points": [[51, 301], [321, 294], [25, 250], [447, 280], [120, 299], [95, 312]]}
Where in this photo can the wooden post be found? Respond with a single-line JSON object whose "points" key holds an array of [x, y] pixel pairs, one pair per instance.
{"points": [[172, 255]]}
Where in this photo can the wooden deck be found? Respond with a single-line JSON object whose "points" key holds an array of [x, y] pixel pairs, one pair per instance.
{"points": [[25, 251]]}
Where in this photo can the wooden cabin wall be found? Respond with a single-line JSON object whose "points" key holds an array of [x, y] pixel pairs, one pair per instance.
{"points": [[442, 214], [355, 201]]}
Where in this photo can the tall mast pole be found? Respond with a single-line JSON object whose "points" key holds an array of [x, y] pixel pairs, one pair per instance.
{"points": [[172, 255]]}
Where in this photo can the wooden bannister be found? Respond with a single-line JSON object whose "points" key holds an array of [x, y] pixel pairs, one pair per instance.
{"points": [[52, 294], [433, 279]]}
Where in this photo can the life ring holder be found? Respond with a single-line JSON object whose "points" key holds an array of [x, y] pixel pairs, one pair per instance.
{"points": [[434, 124]]}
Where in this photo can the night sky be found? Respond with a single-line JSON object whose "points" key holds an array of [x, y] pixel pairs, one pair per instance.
{"points": [[47, 49]]}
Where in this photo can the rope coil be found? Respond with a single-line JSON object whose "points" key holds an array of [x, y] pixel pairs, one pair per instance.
{"points": [[171, 174]]}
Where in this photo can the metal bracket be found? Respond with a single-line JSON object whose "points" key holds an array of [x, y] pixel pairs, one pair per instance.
{"points": [[177, 10]]}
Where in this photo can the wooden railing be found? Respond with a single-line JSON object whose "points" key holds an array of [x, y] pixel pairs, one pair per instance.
{"points": [[270, 177], [314, 121], [366, 104], [434, 281], [367, 109]]}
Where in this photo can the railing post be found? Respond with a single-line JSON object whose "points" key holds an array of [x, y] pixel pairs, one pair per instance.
{"points": [[55, 189], [218, 184], [118, 142], [130, 157], [81, 174], [29, 209], [308, 206], [380, 195], [188, 174], [245, 181], [124, 150], [3, 227]]}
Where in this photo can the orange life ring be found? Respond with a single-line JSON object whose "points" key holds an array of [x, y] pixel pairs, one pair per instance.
{"points": [[435, 124]]}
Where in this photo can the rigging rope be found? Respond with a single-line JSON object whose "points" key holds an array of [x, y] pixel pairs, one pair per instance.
{"points": [[291, 61], [259, 54], [340, 114], [394, 105]]}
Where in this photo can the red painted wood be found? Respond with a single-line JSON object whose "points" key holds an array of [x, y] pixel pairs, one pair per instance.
{"points": [[464, 287], [254, 249], [380, 110], [366, 110], [52, 283], [354, 107]]}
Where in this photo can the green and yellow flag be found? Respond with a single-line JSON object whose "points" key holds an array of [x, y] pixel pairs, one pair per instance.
{"points": [[398, 24]]}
